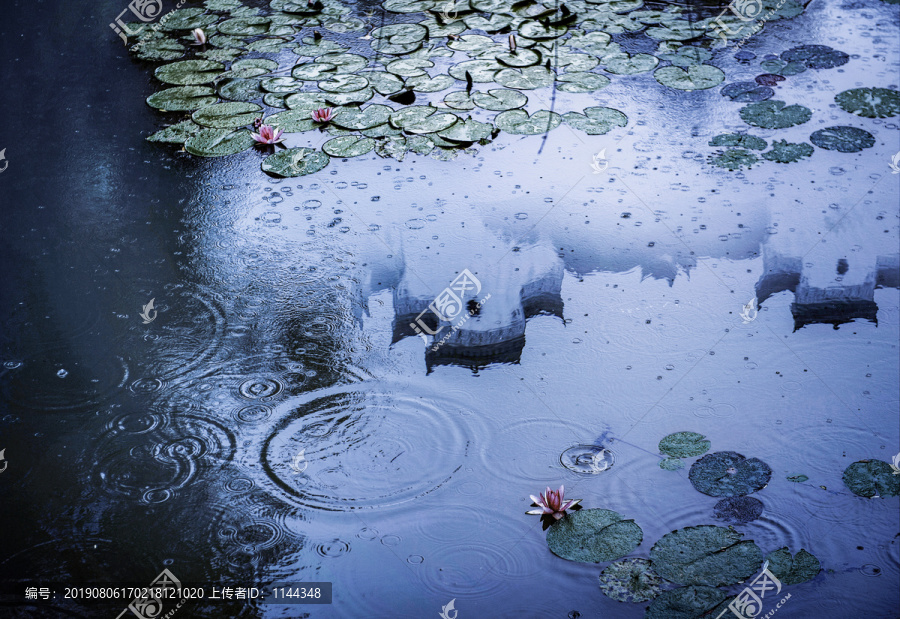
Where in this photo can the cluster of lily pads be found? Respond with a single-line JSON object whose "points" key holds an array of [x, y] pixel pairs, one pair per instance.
{"points": [[764, 112], [463, 58], [686, 568]]}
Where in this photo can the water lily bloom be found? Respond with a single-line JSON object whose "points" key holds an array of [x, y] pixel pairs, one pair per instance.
{"points": [[268, 135], [553, 503], [323, 115], [199, 36]]}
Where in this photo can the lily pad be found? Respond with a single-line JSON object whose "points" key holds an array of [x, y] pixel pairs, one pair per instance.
{"points": [[409, 67], [424, 83], [218, 142], [305, 101], [359, 119], [625, 64], [733, 159], [519, 122], [802, 567], [189, 72], [798, 479], [182, 99], [687, 55], [460, 100], [348, 146], [467, 131], [786, 152], [630, 580], [481, 71], [433, 123], [816, 56], [870, 102], [741, 140], [775, 114], [747, 92], [685, 603], [781, 67], [843, 139], [582, 81], [593, 535], [186, 19], [176, 134], [738, 510], [344, 83], [705, 555], [227, 115], [292, 121], [161, 48], [521, 58], [499, 99], [245, 26], [727, 473], [392, 147], [528, 78], [871, 478], [240, 90], [685, 444], [596, 120], [694, 77], [671, 464], [295, 162], [251, 67]]}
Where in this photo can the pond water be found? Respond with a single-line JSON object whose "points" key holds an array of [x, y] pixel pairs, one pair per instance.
{"points": [[274, 417]]}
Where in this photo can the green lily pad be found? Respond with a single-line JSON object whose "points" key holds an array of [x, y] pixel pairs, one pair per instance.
{"points": [[870, 102], [593, 535], [226, 115], [775, 114], [281, 85], [221, 55], [693, 602], [798, 479], [843, 139], [182, 99], [733, 159], [727, 473], [582, 81], [292, 121], [741, 140], [816, 56], [786, 152], [223, 6], [781, 67], [359, 119], [383, 82], [705, 555], [671, 464], [189, 72], [495, 23], [519, 122], [295, 162], [357, 97], [694, 77], [218, 142], [871, 478], [630, 580], [306, 101], [521, 58], [738, 509], [158, 49], [276, 99], [312, 48], [625, 64], [314, 71], [499, 99], [467, 131], [251, 67], [802, 567], [461, 100], [430, 84], [186, 19], [344, 83], [240, 90], [528, 78], [392, 147], [245, 26], [481, 71], [596, 120], [433, 123], [747, 92], [176, 134], [409, 67], [348, 146], [687, 55], [541, 31], [685, 444]]}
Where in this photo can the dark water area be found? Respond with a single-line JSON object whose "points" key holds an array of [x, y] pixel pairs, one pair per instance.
{"points": [[278, 419]]}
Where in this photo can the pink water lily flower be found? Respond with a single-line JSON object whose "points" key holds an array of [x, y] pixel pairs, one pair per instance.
{"points": [[199, 36], [268, 135], [553, 503], [323, 115]]}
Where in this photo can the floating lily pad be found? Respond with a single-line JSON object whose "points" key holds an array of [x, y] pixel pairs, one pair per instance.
{"points": [[786, 152], [218, 142], [798, 479], [425, 83], [519, 122], [245, 26], [295, 162], [433, 123], [593, 535], [733, 159], [671, 464], [357, 97], [780, 67], [741, 140], [738, 510], [226, 115], [870, 102], [240, 90], [686, 444], [409, 67], [348, 146], [467, 131], [499, 99], [871, 478], [182, 99], [359, 119], [159, 49], [768, 79], [189, 72], [596, 120], [775, 114], [521, 58], [705, 555], [392, 147], [747, 92], [625, 64], [186, 19], [344, 83], [694, 77], [293, 121], [176, 134], [481, 71], [306, 101], [528, 78], [802, 567], [630, 580], [687, 55], [251, 67], [541, 30], [727, 473], [685, 603], [582, 81], [460, 100], [816, 56], [843, 139]]}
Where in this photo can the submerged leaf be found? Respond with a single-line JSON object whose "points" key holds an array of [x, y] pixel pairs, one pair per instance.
{"points": [[685, 444], [685, 603], [738, 510], [671, 464], [630, 580]]}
